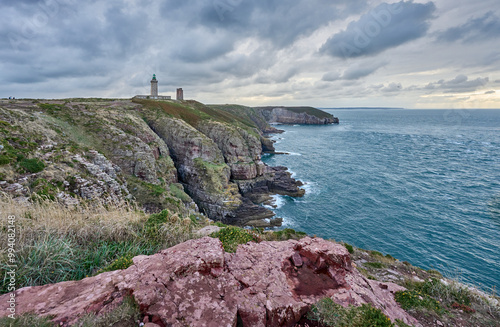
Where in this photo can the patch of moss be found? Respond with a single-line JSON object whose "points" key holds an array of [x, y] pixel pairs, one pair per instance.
{"points": [[32, 165]]}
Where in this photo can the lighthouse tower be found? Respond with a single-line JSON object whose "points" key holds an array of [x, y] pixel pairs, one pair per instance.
{"points": [[154, 87]]}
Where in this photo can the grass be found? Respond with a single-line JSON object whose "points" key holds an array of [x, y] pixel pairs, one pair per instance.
{"points": [[55, 243], [126, 314], [377, 265], [26, 320], [232, 236], [349, 248], [330, 313], [413, 299], [439, 297]]}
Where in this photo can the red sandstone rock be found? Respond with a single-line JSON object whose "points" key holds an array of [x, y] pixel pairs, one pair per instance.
{"points": [[197, 284]]}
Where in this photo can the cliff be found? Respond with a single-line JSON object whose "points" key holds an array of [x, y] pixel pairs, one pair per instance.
{"points": [[183, 156], [297, 115]]}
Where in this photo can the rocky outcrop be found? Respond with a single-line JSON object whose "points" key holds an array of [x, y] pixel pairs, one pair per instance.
{"points": [[297, 115], [197, 284], [202, 168], [241, 149]]}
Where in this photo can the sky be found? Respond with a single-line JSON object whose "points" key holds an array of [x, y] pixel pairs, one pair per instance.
{"points": [[322, 53]]}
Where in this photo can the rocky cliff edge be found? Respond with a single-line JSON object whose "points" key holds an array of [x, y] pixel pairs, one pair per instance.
{"points": [[196, 283]]}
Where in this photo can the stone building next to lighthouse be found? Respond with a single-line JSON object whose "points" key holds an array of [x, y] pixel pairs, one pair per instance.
{"points": [[154, 92]]}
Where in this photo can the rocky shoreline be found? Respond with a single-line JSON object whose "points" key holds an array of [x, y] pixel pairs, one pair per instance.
{"points": [[173, 155]]}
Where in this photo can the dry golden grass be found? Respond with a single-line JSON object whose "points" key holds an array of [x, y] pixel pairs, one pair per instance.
{"points": [[82, 223], [55, 243]]}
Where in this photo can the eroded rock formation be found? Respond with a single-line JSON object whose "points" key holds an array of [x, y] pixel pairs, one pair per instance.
{"points": [[197, 284]]}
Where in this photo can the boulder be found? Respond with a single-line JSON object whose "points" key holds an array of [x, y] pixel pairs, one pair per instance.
{"points": [[197, 284]]}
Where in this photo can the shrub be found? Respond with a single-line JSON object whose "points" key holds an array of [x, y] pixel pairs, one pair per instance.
{"points": [[32, 165], [330, 313], [232, 236]]}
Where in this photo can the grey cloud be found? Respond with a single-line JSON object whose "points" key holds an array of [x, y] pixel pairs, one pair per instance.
{"points": [[331, 76], [490, 92], [354, 72], [362, 70], [461, 83], [278, 21], [392, 88], [474, 30], [385, 27]]}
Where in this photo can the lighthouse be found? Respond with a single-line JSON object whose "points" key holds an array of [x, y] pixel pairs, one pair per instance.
{"points": [[154, 87]]}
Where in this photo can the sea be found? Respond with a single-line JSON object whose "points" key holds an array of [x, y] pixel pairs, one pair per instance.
{"points": [[420, 185]]}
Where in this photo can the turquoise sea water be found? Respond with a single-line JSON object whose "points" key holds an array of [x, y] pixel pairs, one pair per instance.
{"points": [[421, 185]]}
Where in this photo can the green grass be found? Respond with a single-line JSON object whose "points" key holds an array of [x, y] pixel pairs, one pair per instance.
{"points": [[329, 313], [26, 320], [349, 248], [32, 165], [232, 236], [377, 265], [179, 193], [4, 160], [413, 299], [285, 234], [124, 315]]}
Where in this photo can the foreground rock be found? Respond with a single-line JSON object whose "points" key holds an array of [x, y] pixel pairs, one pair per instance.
{"points": [[197, 284]]}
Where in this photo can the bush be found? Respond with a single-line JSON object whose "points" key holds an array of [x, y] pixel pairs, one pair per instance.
{"points": [[232, 236], [330, 313], [32, 165]]}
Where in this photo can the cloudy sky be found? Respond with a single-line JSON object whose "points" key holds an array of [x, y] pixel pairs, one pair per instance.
{"points": [[324, 53]]}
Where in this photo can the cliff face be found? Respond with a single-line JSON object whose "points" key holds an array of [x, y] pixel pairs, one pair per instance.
{"points": [[297, 115], [181, 156]]}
